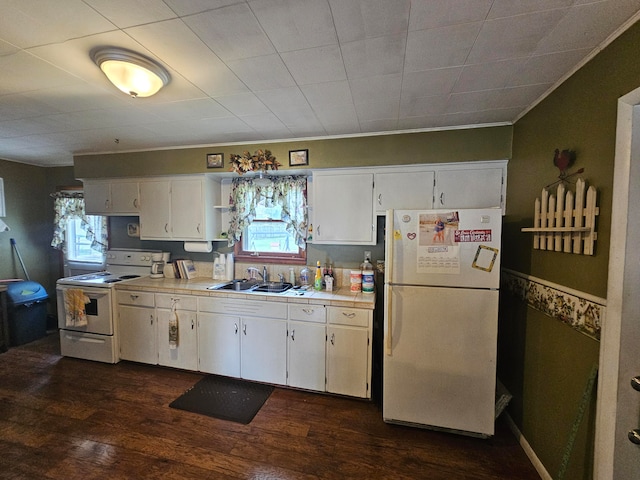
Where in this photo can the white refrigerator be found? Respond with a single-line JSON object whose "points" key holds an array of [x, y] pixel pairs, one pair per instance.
{"points": [[442, 275]]}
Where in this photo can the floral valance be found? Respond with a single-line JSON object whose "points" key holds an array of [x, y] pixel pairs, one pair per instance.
{"points": [[287, 191], [68, 206]]}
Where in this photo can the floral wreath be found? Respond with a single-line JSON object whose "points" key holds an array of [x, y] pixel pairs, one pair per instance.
{"points": [[260, 160]]}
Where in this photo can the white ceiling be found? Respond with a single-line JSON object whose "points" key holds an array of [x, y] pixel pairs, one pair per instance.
{"points": [[261, 70]]}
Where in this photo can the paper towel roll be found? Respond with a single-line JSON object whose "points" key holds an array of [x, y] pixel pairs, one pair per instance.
{"points": [[200, 247]]}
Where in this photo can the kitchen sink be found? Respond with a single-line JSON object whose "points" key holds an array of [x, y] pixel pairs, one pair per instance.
{"points": [[253, 286], [272, 287], [237, 285]]}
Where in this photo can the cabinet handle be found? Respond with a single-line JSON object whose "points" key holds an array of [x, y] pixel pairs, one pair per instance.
{"points": [[308, 311], [318, 230], [192, 324], [349, 315], [198, 228], [634, 436], [293, 334], [236, 326], [133, 297], [166, 228], [244, 328], [333, 339], [151, 318], [135, 203], [106, 204], [635, 383], [442, 198], [380, 199]]}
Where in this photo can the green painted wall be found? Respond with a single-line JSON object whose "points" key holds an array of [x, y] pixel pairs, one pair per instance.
{"points": [[30, 217], [490, 143], [545, 363]]}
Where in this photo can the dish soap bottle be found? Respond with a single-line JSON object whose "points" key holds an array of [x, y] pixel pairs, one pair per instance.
{"points": [[318, 280]]}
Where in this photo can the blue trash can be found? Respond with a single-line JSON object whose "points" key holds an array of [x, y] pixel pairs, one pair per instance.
{"points": [[27, 312]]}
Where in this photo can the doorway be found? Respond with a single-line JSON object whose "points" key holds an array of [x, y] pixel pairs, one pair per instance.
{"points": [[618, 404]]}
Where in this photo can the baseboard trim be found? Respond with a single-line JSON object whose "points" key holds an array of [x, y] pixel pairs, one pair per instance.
{"points": [[535, 461]]}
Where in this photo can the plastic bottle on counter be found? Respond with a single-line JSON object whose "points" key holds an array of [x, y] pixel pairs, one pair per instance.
{"points": [[318, 279], [292, 276], [304, 276], [367, 276]]}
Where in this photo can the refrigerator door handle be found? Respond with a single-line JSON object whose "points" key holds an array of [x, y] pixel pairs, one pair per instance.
{"points": [[388, 259], [388, 320]]}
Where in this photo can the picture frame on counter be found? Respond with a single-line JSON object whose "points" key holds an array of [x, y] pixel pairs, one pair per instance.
{"points": [[298, 157], [215, 160]]}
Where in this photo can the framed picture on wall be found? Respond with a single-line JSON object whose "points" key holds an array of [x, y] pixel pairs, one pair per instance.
{"points": [[298, 157], [215, 160]]}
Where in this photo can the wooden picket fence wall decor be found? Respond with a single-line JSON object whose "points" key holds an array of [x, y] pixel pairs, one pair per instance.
{"points": [[564, 222]]}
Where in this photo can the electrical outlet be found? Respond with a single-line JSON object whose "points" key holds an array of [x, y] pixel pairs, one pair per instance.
{"points": [[367, 254]]}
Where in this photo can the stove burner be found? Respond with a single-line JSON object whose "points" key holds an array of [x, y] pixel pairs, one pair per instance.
{"points": [[127, 277], [113, 280]]}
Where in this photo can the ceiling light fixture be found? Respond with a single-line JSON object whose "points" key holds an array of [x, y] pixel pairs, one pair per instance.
{"points": [[131, 72]]}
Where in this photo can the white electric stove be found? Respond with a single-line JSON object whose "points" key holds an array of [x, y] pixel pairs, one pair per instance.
{"points": [[98, 339]]}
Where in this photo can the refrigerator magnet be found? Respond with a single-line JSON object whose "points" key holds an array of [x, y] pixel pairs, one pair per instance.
{"points": [[485, 258]]}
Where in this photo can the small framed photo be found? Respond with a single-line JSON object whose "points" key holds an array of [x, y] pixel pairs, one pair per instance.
{"points": [[298, 157], [133, 230], [215, 160]]}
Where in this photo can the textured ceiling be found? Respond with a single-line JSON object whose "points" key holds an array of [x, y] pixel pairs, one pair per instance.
{"points": [[260, 70]]}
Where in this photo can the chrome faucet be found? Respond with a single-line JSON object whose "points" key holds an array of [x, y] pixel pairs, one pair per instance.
{"points": [[264, 274]]}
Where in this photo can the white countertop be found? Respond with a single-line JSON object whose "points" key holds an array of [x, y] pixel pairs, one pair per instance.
{"points": [[340, 297]]}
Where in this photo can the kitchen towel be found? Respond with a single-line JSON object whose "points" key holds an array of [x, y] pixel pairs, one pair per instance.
{"points": [[174, 331], [74, 302]]}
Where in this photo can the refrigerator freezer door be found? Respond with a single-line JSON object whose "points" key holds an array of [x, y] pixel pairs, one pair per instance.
{"points": [[441, 371], [454, 248]]}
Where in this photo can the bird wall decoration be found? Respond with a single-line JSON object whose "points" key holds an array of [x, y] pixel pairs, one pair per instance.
{"points": [[563, 160]]}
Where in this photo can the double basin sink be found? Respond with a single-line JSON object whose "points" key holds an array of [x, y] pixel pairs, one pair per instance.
{"points": [[254, 286]]}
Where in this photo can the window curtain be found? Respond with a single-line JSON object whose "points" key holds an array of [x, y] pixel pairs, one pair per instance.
{"points": [[286, 191], [68, 206]]}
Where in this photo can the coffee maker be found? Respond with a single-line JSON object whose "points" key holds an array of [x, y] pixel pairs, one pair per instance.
{"points": [[158, 261]]}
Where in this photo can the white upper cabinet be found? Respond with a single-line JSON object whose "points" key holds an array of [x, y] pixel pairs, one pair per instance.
{"points": [[111, 197], [342, 208], [403, 190], [470, 186], [179, 209]]}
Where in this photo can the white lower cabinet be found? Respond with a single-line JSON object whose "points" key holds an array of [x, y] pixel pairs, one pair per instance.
{"points": [[263, 350], [349, 351], [248, 334], [182, 308], [306, 347], [219, 344], [137, 327]]}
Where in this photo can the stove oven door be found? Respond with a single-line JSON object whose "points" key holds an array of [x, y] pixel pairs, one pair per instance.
{"points": [[99, 310]]}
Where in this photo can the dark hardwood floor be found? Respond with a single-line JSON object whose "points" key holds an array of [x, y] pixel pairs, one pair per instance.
{"points": [[64, 418]]}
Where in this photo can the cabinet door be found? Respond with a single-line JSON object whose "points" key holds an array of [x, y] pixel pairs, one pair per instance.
{"points": [[347, 361], [137, 332], [185, 354], [403, 191], [469, 188], [306, 359], [124, 198], [187, 209], [263, 352], [155, 209], [343, 209], [97, 198], [219, 344]]}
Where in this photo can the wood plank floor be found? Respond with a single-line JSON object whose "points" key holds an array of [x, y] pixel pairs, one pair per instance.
{"points": [[64, 418]]}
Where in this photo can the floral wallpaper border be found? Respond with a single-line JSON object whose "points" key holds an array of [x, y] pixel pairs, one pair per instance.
{"points": [[569, 306]]}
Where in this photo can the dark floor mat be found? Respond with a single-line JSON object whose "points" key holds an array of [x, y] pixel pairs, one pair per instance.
{"points": [[223, 397]]}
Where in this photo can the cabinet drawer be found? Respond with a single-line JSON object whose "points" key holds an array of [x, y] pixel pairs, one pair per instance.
{"points": [[242, 308], [142, 299], [357, 317], [183, 302], [308, 313]]}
